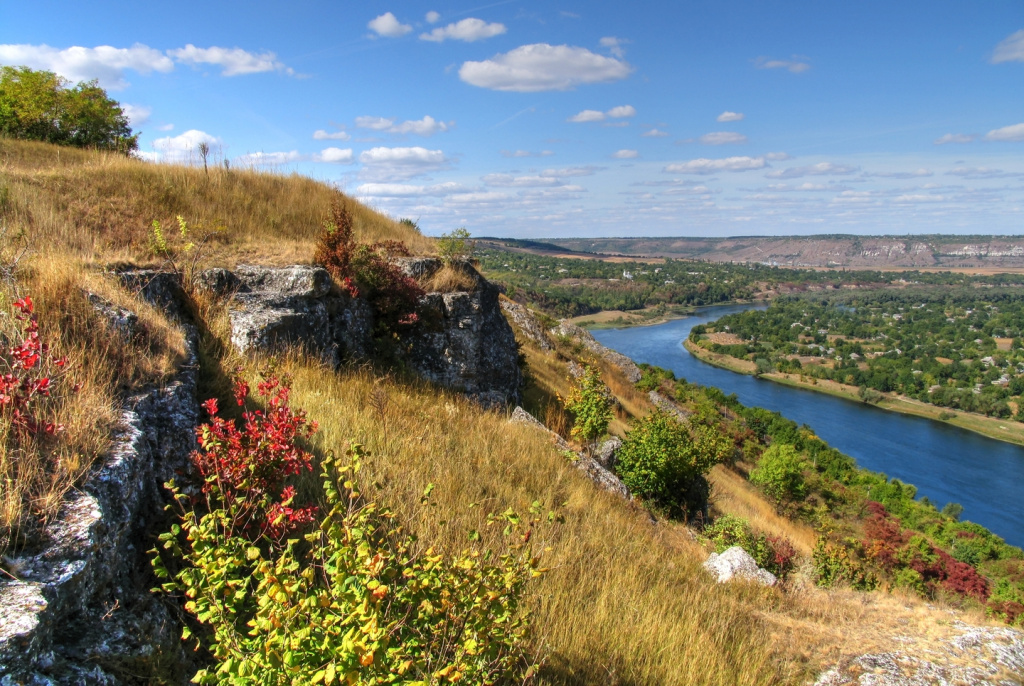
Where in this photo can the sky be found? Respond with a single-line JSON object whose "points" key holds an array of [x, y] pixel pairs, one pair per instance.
{"points": [[531, 119]]}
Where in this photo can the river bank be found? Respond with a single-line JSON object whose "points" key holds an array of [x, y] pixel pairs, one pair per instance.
{"points": [[991, 427], [649, 316]]}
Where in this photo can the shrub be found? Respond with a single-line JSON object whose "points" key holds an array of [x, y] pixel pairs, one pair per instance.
{"points": [[838, 563], [454, 246], [355, 600], [774, 553], [590, 403], [780, 473], [660, 461]]}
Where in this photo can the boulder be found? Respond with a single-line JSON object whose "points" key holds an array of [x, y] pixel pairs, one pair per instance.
{"points": [[607, 452], [737, 563]]}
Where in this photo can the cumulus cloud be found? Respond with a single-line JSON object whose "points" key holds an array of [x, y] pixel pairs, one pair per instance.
{"points": [[625, 154], [722, 138], [806, 186], [1007, 133], [232, 61], [400, 163], [323, 135], [918, 198], [619, 112], [572, 171], [795, 65], [916, 174], [704, 165], [403, 190], [137, 114], [268, 159], [982, 173], [183, 146], [543, 67], [614, 45], [527, 153], [819, 169], [467, 30], [427, 126], [105, 63], [433, 17], [1010, 49], [654, 133], [728, 116], [776, 156], [335, 155], [509, 180], [955, 138], [387, 25]]}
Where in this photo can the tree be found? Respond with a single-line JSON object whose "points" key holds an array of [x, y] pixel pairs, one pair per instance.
{"points": [[590, 403], [454, 246], [660, 461], [780, 473], [42, 106]]}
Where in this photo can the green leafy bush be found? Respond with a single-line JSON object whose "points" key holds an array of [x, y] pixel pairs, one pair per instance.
{"points": [[780, 473], [838, 563], [772, 553], [660, 461], [356, 600], [590, 403], [454, 246]]}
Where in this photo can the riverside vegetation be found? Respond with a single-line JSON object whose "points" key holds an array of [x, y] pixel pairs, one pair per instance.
{"points": [[415, 536]]}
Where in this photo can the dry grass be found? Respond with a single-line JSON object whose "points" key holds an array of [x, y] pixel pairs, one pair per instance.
{"points": [[449, 278], [625, 602], [100, 206]]}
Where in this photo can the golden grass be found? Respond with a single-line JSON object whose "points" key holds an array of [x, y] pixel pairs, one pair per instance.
{"points": [[624, 602], [100, 206], [449, 278]]}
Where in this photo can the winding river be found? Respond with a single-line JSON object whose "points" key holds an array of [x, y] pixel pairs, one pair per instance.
{"points": [[946, 464]]}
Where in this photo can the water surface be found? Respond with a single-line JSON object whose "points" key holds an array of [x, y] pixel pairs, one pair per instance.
{"points": [[947, 464]]}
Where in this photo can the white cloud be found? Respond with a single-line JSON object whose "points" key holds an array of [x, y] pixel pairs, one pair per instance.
{"points": [[614, 45], [572, 171], [335, 155], [955, 138], [165, 127], [1010, 49], [982, 173], [587, 116], [480, 197], [427, 126], [916, 174], [543, 67], [433, 17], [183, 146], [806, 186], [400, 163], [654, 133], [728, 116], [1007, 133], [402, 190], [387, 25], [232, 61], [795, 65], [819, 169], [704, 165], [919, 198], [467, 30], [619, 112], [625, 154], [722, 138], [137, 114], [508, 180], [105, 63], [268, 159], [322, 135], [776, 156], [527, 153]]}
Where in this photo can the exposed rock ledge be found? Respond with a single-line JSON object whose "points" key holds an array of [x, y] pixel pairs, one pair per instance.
{"points": [[80, 611], [627, 365]]}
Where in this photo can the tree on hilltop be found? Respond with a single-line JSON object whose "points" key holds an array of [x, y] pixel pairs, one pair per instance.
{"points": [[43, 106]]}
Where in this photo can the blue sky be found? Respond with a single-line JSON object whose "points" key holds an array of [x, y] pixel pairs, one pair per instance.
{"points": [[534, 119]]}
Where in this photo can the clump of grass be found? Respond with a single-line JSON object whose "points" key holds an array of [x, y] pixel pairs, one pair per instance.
{"points": [[450, 278]]}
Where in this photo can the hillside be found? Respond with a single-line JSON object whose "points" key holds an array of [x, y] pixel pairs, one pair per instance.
{"points": [[850, 252], [613, 590]]}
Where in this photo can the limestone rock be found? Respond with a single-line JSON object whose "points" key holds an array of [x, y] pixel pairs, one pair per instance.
{"points": [[627, 365], [664, 403], [737, 563], [527, 323], [607, 452]]}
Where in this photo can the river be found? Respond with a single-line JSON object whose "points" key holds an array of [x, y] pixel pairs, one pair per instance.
{"points": [[947, 464]]}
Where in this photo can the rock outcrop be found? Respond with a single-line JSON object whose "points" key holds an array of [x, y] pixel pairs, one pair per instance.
{"points": [[627, 365], [465, 343], [736, 563], [80, 611], [586, 464], [527, 323]]}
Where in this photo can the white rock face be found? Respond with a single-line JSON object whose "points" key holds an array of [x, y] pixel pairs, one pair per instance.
{"points": [[737, 563]]}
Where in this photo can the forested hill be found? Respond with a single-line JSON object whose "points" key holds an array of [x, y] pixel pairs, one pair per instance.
{"points": [[871, 252]]}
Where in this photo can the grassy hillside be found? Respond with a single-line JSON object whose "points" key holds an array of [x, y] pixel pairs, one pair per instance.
{"points": [[624, 600]]}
